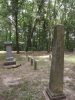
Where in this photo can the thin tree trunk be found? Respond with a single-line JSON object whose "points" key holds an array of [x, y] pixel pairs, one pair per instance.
{"points": [[16, 27], [10, 31]]}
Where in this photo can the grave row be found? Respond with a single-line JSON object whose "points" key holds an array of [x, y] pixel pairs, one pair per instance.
{"points": [[33, 62]]}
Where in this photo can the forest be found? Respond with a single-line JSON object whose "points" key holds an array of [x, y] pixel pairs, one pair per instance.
{"points": [[29, 24]]}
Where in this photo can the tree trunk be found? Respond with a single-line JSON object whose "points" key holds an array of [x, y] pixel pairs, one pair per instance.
{"points": [[16, 27]]}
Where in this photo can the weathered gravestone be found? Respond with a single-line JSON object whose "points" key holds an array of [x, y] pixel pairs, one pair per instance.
{"points": [[9, 58], [55, 89]]}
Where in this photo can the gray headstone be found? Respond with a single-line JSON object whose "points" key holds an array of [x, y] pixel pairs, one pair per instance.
{"points": [[9, 57]]}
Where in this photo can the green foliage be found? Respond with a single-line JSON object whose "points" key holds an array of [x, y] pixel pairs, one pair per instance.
{"points": [[69, 45], [36, 20]]}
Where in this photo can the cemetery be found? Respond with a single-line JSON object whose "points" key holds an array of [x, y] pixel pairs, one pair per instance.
{"points": [[37, 50], [37, 77]]}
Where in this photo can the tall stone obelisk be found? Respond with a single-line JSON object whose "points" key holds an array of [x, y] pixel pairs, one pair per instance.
{"points": [[55, 89]]}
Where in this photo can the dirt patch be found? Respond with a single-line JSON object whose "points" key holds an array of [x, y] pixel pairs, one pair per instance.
{"points": [[24, 83]]}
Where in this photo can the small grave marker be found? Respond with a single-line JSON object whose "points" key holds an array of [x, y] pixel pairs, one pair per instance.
{"points": [[35, 64], [32, 60]]}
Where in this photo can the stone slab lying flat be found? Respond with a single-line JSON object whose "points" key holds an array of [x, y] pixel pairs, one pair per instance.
{"points": [[12, 66], [11, 80]]}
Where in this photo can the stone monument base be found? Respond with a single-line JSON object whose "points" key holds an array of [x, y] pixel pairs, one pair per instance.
{"points": [[6, 63], [11, 63], [52, 96]]}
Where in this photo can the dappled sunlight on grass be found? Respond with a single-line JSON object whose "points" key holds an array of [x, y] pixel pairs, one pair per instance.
{"points": [[2, 52], [42, 58], [18, 57], [25, 83], [70, 59], [2, 57]]}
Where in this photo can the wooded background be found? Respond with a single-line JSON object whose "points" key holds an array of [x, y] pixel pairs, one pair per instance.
{"points": [[29, 24]]}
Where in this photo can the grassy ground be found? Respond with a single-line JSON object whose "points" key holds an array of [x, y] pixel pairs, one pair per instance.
{"points": [[25, 83]]}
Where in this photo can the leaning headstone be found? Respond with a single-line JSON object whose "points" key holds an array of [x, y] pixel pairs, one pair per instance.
{"points": [[55, 89], [9, 57]]}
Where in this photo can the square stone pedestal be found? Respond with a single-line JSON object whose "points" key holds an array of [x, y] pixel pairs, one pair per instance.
{"points": [[52, 96], [10, 62]]}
